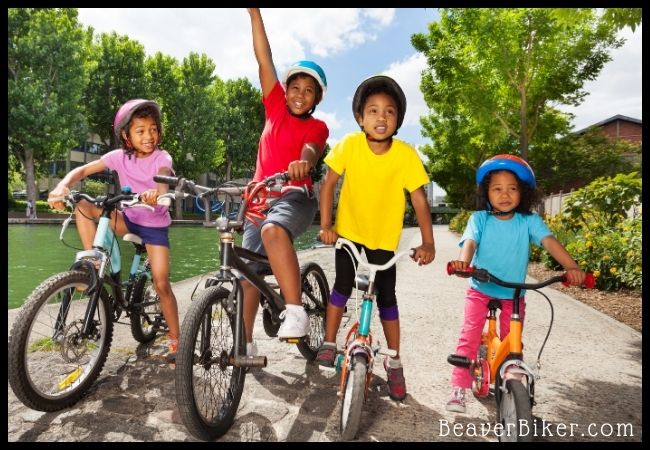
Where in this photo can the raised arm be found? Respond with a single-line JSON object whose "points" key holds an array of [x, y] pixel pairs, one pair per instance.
{"points": [[262, 49]]}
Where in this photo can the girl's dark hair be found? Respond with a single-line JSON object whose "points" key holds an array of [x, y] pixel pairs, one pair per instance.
{"points": [[145, 111], [529, 195]]}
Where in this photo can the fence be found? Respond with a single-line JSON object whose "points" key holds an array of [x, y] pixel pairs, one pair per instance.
{"points": [[552, 205]]}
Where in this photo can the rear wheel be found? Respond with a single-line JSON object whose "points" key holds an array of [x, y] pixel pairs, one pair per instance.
{"points": [[515, 413], [51, 363], [146, 317], [314, 298], [354, 394], [208, 386]]}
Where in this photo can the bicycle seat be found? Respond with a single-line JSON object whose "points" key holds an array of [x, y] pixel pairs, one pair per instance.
{"points": [[130, 237], [494, 304], [362, 282]]}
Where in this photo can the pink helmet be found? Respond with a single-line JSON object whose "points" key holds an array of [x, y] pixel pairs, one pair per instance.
{"points": [[126, 111]]}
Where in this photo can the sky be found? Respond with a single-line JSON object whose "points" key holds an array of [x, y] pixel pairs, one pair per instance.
{"points": [[350, 45]]}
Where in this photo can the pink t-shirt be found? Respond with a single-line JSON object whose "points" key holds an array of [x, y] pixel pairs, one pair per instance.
{"points": [[138, 173], [284, 136]]}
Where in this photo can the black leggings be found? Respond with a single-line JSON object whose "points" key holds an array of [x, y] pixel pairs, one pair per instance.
{"points": [[384, 280]]}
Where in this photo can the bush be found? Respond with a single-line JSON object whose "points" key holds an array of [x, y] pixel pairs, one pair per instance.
{"points": [[596, 232], [459, 221]]}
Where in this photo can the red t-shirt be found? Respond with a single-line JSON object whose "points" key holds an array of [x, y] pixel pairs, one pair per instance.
{"points": [[284, 136]]}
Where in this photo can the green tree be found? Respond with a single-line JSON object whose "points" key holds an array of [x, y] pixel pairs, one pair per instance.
{"points": [[493, 77], [117, 74], [47, 54], [575, 160], [190, 114], [240, 124]]}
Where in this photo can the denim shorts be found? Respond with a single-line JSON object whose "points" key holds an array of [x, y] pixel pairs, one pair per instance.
{"points": [[150, 235], [294, 212]]}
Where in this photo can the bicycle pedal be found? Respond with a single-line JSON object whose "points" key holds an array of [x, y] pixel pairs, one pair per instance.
{"points": [[291, 340]]}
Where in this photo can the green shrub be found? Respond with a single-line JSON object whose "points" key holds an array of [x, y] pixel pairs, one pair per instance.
{"points": [[459, 221]]}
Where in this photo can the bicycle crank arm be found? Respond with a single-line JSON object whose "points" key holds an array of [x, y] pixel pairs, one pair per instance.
{"points": [[249, 361]]}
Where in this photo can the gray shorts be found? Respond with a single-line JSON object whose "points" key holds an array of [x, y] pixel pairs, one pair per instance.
{"points": [[294, 212]]}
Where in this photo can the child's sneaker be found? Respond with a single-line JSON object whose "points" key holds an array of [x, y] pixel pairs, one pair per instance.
{"points": [[326, 356], [295, 324], [396, 381], [456, 401]]}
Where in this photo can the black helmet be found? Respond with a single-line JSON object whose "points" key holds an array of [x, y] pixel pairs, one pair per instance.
{"points": [[379, 83]]}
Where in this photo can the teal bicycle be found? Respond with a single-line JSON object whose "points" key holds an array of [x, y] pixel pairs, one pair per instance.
{"points": [[356, 360], [60, 339]]}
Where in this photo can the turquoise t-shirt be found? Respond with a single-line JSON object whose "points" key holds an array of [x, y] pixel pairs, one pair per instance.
{"points": [[503, 248]]}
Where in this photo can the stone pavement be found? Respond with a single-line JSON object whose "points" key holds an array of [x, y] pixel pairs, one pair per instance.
{"points": [[589, 387]]}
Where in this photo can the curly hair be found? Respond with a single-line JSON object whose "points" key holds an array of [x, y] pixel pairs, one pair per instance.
{"points": [[529, 194], [145, 111]]}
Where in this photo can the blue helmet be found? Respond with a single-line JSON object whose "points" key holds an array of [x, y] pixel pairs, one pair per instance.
{"points": [[507, 162], [310, 68]]}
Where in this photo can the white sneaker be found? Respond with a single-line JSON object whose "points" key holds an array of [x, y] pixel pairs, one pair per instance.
{"points": [[456, 401], [295, 325]]}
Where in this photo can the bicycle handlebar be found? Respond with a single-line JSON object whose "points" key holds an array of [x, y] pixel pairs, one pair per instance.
{"points": [[372, 267], [484, 275]]}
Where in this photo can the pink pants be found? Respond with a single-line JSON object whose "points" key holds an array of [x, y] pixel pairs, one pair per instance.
{"points": [[476, 311]]}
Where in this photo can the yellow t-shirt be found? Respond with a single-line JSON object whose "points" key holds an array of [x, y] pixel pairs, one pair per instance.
{"points": [[371, 205]]}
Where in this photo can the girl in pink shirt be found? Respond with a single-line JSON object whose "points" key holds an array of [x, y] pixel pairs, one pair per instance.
{"points": [[137, 126]]}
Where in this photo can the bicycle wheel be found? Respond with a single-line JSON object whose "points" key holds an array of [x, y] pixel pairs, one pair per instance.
{"points": [[353, 397], [146, 317], [315, 296], [48, 369], [208, 386], [515, 413]]}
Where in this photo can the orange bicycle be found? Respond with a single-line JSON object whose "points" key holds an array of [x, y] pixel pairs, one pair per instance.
{"points": [[499, 365]]}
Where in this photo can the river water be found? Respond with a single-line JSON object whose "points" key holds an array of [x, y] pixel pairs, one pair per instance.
{"points": [[35, 253]]}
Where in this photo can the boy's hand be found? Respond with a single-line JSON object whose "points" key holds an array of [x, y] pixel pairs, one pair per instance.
{"points": [[299, 169], [424, 254], [327, 236]]}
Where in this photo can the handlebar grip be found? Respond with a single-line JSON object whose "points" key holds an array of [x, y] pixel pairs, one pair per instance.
{"points": [[589, 282], [172, 181], [461, 273]]}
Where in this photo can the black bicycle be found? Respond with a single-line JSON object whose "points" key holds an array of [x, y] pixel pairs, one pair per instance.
{"points": [[60, 339], [211, 361]]}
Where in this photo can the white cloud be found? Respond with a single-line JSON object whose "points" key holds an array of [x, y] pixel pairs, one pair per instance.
{"points": [[332, 121], [617, 90], [407, 73]]}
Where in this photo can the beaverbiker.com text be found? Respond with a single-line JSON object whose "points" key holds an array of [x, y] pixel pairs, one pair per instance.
{"points": [[536, 429]]}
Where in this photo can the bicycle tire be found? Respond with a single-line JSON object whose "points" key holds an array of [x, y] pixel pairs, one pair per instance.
{"points": [[208, 388], [146, 317], [513, 410], [354, 393], [49, 372], [314, 281]]}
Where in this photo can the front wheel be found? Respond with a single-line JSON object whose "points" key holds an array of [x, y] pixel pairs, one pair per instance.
{"points": [[146, 316], [52, 363], [354, 394], [314, 298], [515, 413], [208, 386]]}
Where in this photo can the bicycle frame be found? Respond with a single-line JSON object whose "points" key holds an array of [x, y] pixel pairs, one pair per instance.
{"points": [[504, 353], [359, 337]]}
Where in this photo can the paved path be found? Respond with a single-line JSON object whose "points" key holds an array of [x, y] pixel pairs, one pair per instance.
{"points": [[590, 377]]}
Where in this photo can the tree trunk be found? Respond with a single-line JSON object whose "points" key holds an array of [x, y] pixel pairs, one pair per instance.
{"points": [[32, 190]]}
